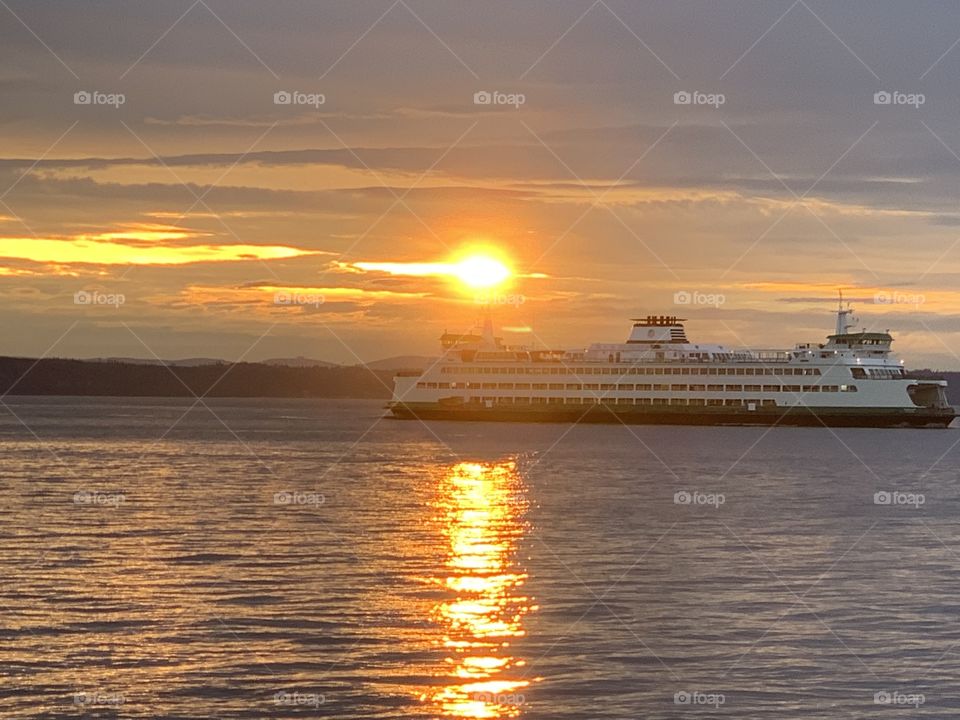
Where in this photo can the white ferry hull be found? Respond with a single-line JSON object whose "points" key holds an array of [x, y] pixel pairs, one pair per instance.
{"points": [[683, 415]]}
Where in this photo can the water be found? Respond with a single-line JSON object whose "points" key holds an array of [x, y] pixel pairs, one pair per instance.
{"points": [[303, 559]]}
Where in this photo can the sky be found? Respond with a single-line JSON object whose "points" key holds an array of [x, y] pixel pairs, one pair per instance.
{"points": [[247, 180]]}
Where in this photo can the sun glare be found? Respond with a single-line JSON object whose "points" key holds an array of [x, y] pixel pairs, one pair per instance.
{"points": [[480, 271]]}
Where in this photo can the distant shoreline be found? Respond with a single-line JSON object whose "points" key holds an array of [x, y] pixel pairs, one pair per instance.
{"points": [[97, 378]]}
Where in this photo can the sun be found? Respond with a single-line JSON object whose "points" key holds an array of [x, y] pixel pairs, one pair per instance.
{"points": [[480, 271]]}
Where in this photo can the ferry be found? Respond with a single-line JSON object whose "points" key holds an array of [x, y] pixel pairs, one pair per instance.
{"points": [[659, 377]]}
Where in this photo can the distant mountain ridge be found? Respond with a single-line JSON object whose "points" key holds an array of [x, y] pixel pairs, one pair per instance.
{"points": [[402, 362], [398, 362], [299, 361], [183, 362]]}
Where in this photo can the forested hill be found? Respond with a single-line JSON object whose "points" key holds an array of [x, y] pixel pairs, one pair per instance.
{"points": [[25, 376]]}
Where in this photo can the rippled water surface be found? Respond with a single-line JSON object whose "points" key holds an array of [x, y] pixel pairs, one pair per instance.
{"points": [[307, 559]]}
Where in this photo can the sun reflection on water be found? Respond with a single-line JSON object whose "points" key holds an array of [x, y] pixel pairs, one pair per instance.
{"points": [[480, 507]]}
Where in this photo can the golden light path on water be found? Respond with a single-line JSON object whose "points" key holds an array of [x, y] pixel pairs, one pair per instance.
{"points": [[481, 507]]}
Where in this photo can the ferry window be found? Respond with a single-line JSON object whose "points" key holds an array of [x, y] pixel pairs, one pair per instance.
{"points": [[811, 388], [643, 401], [556, 386], [715, 388], [715, 402], [858, 372], [522, 386], [848, 388], [697, 401], [678, 388], [678, 401], [539, 386], [443, 385], [573, 386], [734, 388], [741, 371], [829, 388], [771, 388], [644, 388], [698, 388], [489, 386], [751, 388], [421, 385], [791, 388], [769, 402], [505, 386], [625, 387], [608, 386], [732, 402]]}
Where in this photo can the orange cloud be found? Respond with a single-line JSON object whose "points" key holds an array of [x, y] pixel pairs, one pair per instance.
{"points": [[290, 295], [120, 249]]}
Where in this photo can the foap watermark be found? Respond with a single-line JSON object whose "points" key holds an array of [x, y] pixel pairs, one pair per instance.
{"points": [[489, 698], [97, 498], [298, 299], [696, 497], [695, 97], [698, 697], [295, 698], [95, 298], [896, 97], [895, 297], [695, 297], [95, 97], [98, 698], [895, 497], [495, 298], [295, 497], [901, 699], [495, 97], [296, 97]]}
